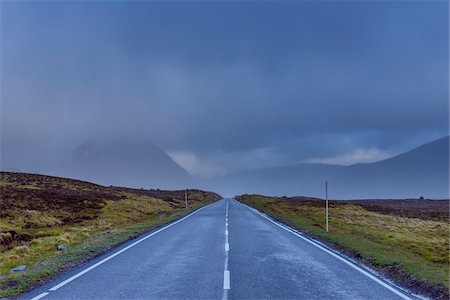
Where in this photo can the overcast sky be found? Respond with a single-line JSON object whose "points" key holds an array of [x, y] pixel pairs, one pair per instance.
{"points": [[223, 86]]}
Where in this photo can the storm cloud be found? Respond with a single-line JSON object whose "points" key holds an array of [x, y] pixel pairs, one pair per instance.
{"points": [[224, 86]]}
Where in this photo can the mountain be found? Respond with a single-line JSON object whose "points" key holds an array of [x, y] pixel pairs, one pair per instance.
{"points": [[423, 171], [123, 162]]}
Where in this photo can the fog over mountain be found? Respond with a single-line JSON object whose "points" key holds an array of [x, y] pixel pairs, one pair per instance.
{"points": [[130, 162], [423, 171], [126, 162]]}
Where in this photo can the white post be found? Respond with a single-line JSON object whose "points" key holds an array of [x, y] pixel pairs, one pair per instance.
{"points": [[185, 198], [326, 199]]}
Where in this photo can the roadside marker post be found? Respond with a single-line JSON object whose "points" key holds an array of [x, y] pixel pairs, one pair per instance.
{"points": [[185, 198], [326, 199]]}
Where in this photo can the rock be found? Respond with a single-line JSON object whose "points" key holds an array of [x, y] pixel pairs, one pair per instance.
{"points": [[19, 268], [62, 247]]}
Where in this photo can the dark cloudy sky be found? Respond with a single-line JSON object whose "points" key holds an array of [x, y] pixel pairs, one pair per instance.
{"points": [[223, 86]]}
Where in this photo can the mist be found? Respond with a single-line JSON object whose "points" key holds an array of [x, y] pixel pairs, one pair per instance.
{"points": [[219, 87]]}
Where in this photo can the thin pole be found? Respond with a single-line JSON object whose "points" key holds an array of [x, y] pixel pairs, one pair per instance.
{"points": [[326, 198], [185, 198]]}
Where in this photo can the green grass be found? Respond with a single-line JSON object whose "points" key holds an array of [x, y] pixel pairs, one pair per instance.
{"points": [[419, 247]]}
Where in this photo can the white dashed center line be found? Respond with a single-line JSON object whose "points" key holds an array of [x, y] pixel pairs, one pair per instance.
{"points": [[226, 280], [226, 272]]}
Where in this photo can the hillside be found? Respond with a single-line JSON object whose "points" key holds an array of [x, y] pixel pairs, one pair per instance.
{"points": [[39, 213], [423, 171]]}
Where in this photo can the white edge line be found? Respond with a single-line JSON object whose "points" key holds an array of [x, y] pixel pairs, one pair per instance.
{"points": [[227, 247], [226, 280], [119, 252], [382, 283], [40, 296]]}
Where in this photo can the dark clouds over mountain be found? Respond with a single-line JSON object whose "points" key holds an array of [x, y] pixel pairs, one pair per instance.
{"points": [[224, 86]]}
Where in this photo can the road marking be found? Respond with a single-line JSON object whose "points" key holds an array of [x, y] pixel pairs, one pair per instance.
{"points": [[226, 280], [226, 272], [118, 252], [40, 296], [347, 262]]}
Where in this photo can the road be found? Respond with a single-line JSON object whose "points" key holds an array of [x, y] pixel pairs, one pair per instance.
{"points": [[223, 251]]}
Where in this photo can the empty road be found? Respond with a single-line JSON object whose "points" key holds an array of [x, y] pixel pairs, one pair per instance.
{"points": [[223, 251]]}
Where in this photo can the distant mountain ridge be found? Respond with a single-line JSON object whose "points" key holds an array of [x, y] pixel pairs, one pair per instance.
{"points": [[423, 171], [139, 163]]}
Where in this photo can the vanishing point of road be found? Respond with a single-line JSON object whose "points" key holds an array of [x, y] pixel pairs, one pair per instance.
{"points": [[225, 250]]}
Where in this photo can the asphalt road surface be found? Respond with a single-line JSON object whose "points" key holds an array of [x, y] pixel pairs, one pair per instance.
{"points": [[223, 251]]}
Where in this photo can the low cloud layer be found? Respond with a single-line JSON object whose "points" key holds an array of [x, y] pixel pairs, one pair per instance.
{"points": [[225, 86], [360, 155]]}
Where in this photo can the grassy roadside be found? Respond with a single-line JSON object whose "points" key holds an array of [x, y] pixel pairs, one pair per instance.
{"points": [[412, 251], [39, 213]]}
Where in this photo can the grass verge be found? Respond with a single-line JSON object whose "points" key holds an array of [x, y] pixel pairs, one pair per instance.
{"points": [[414, 252]]}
